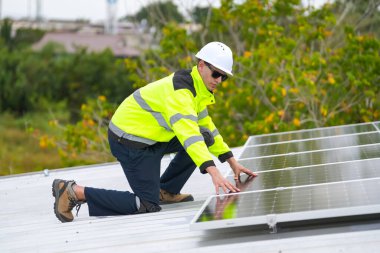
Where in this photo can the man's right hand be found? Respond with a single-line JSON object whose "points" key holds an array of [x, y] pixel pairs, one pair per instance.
{"points": [[220, 181]]}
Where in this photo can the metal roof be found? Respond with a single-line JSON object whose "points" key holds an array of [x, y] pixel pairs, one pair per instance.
{"points": [[93, 42], [28, 223]]}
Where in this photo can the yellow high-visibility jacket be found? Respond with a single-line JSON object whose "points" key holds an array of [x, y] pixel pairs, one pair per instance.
{"points": [[173, 106]]}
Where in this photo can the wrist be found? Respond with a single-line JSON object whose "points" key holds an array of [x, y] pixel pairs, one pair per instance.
{"points": [[205, 165], [232, 162], [212, 170]]}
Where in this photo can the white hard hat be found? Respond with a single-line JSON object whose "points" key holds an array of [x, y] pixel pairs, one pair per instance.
{"points": [[217, 54]]}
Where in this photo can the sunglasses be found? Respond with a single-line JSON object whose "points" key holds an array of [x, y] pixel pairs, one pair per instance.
{"points": [[215, 74]]}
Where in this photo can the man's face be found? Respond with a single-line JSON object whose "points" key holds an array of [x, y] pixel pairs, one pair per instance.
{"points": [[211, 76]]}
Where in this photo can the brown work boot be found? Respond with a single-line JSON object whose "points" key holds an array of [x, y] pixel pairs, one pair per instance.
{"points": [[65, 199], [170, 198]]}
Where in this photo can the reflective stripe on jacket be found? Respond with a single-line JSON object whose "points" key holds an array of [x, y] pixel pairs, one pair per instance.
{"points": [[172, 106]]}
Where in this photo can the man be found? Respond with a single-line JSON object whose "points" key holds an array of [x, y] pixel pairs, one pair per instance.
{"points": [[166, 116]]}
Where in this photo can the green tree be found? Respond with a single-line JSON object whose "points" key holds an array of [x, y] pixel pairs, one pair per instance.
{"points": [[76, 77], [25, 36], [18, 90], [291, 71], [362, 15], [51, 75], [157, 14], [201, 14], [83, 142], [6, 33]]}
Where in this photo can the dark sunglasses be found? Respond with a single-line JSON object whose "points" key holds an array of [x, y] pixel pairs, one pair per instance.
{"points": [[216, 74]]}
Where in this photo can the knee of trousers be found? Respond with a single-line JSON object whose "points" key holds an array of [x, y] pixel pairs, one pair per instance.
{"points": [[207, 135]]}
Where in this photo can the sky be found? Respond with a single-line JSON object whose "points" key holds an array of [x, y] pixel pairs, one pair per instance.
{"points": [[94, 10]]}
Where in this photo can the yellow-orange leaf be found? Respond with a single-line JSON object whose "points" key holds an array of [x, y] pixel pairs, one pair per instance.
{"points": [[102, 98], [331, 79], [283, 92], [269, 118], [247, 54], [296, 122]]}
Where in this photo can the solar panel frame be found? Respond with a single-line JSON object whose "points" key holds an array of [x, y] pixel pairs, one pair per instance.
{"points": [[377, 125]]}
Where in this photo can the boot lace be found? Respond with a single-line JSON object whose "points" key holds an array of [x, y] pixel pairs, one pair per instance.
{"points": [[74, 203]]}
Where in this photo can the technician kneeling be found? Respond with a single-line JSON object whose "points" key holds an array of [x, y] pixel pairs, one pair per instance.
{"points": [[166, 116]]}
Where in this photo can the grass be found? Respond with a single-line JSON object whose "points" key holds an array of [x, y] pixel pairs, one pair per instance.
{"points": [[19, 143], [20, 149]]}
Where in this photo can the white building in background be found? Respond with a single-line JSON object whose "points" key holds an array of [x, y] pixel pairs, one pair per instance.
{"points": [[124, 39], [111, 21], [39, 16]]}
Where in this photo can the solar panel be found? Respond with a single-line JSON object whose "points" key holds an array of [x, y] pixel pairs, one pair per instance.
{"points": [[331, 142], [316, 175], [310, 204], [307, 175], [312, 157], [312, 133]]}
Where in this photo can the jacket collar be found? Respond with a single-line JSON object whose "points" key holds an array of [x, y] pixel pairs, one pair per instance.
{"points": [[204, 96]]}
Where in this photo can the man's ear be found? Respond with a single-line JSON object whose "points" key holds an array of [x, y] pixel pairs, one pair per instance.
{"points": [[201, 64]]}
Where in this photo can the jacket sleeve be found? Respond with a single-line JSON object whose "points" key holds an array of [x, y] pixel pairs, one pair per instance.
{"points": [[220, 149], [181, 114]]}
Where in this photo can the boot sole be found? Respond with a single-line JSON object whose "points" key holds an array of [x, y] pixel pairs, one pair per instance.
{"points": [[55, 192], [187, 199]]}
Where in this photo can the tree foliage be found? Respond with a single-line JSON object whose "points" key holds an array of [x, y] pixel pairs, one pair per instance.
{"points": [[293, 67], [199, 15], [6, 33], [23, 37], [362, 15], [86, 140], [290, 74], [158, 14], [29, 78]]}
